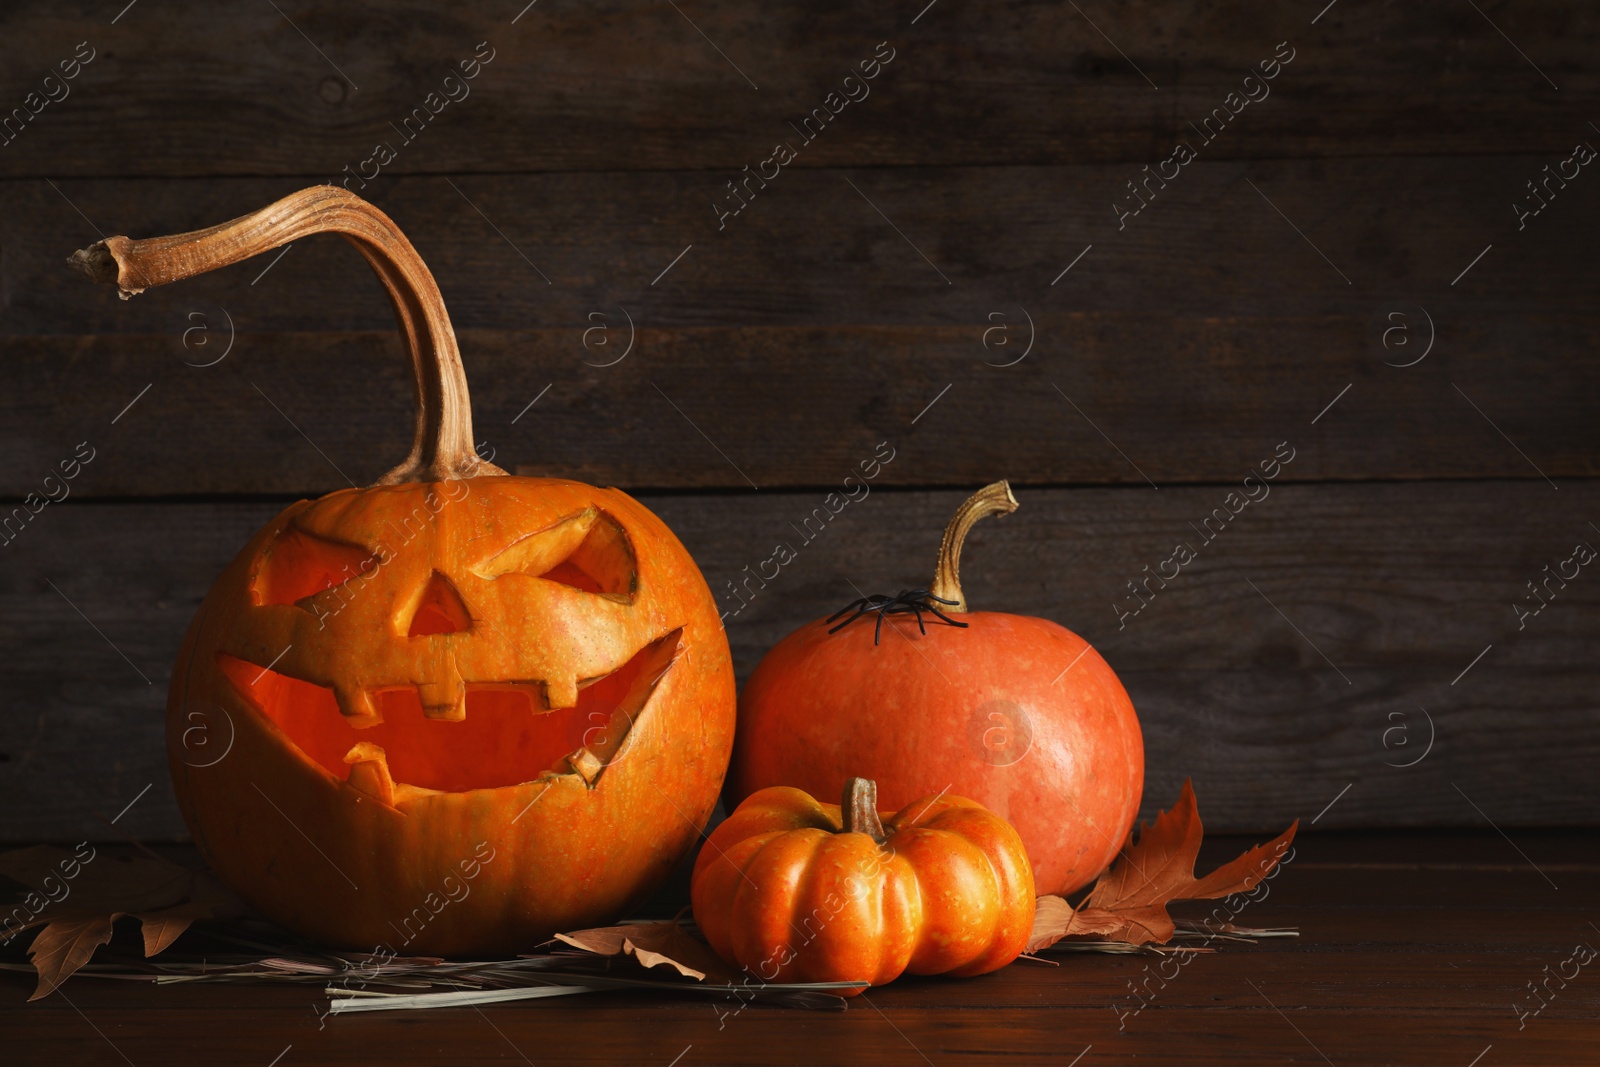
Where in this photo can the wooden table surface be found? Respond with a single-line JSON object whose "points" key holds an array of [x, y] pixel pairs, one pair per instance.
{"points": [[1414, 949]]}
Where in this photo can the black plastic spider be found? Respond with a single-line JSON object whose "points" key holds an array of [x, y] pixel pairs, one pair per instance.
{"points": [[906, 602]]}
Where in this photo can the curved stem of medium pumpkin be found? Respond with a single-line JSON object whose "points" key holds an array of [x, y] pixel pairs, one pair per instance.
{"points": [[858, 809], [993, 499], [443, 445]]}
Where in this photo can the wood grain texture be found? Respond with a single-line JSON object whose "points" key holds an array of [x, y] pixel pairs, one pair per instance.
{"points": [[193, 88], [1116, 399], [1202, 329], [1400, 587], [1383, 973], [548, 250], [577, 196]]}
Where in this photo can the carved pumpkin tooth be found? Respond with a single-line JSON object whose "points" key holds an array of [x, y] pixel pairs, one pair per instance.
{"points": [[561, 693], [357, 706], [443, 700], [586, 764], [369, 771]]}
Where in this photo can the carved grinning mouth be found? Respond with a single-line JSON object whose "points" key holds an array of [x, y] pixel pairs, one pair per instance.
{"points": [[448, 733], [507, 737]]}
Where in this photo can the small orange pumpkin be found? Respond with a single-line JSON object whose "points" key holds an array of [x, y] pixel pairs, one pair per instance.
{"points": [[793, 890], [454, 712]]}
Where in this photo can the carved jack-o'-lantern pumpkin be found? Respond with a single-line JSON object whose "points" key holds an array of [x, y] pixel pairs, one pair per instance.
{"points": [[461, 710]]}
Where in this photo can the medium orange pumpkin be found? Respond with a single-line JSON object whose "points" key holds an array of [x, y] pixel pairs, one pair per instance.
{"points": [[793, 890], [457, 711], [1016, 712]]}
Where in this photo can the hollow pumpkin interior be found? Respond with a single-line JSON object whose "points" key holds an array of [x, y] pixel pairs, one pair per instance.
{"points": [[507, 737]]}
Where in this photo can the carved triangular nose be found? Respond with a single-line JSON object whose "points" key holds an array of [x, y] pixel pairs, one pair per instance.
{"points": [[440, 611]]}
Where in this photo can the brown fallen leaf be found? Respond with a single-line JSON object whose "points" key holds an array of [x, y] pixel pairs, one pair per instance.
{"points": [[63, 946], [1052, 920], [1129, 901], [654, 944], [78, 896], [161, 928]]}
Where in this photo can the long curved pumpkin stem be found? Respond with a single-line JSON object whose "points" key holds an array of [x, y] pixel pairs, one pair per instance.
{"points": [[443, 445], [993, 499]]}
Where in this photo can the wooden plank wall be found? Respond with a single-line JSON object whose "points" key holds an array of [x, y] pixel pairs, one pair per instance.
{"points": [[950, 265]]}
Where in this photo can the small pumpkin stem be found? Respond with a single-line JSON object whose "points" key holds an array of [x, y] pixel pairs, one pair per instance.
{"points": [[859, 809], [993, 499], [443, 444]]}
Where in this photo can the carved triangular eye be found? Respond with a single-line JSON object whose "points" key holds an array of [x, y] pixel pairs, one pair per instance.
{"points": [[588, 551], [440, 611], [298, 565]]}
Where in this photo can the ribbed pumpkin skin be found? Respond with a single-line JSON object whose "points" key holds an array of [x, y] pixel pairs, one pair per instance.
{"points": [[910, 713], [323, 858], [779, 891]]}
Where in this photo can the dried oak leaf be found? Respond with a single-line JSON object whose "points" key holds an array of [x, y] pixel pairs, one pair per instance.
{"points": [[654, 944], [78, 910], [1129, 901]]}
